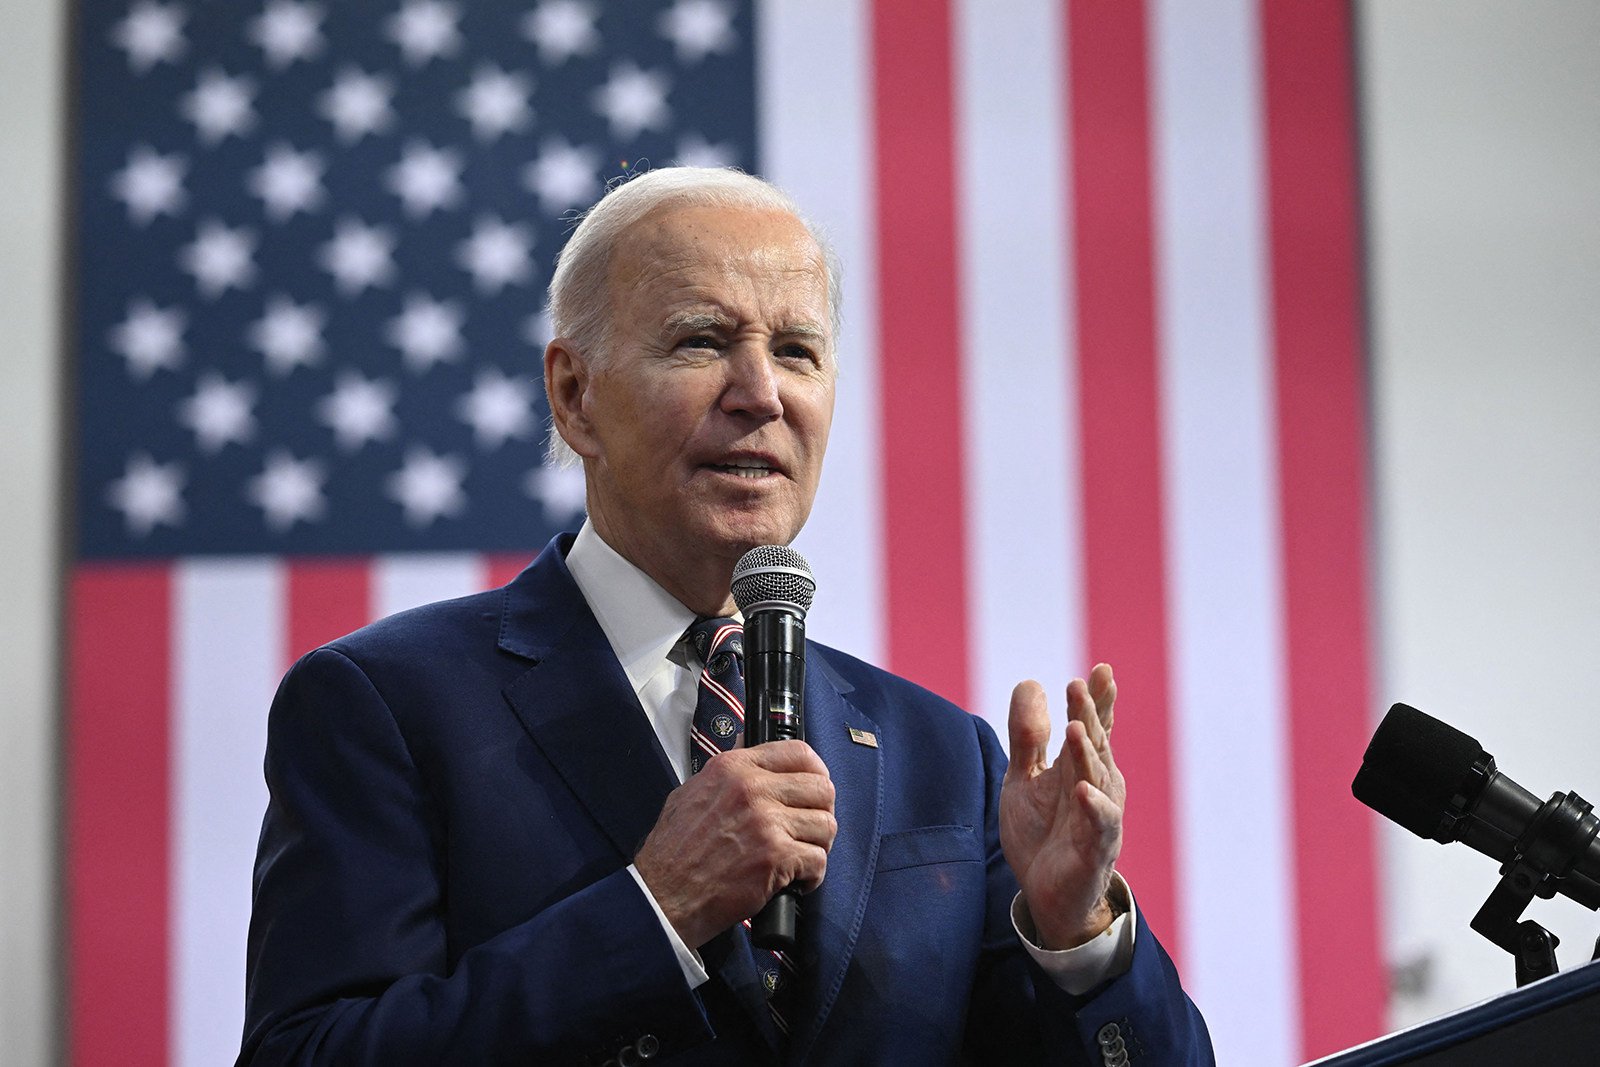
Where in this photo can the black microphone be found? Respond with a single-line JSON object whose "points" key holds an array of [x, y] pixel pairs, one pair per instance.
{"points": [[1440, 784], [773, 587]]}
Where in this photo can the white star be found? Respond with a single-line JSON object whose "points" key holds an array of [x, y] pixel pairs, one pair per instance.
{"points": [[633, 100], [424, 30], [288, 181], [698, 28], [496, 254], [428, 486], [563, 176], [220, 258], [426, 179], [359, 411], [219, 412], [358, 104], [287, 31], [495, 103], [559, 489], [696, 151], [151, 34], [148, 494], [150, 338], [536, 329], [359, 256], [427, 332], [219, 105], [498, 408], [151, 184], [288, 335], [288, 490], [562, 29]]}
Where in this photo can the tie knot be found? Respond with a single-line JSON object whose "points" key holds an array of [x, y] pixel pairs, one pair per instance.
{"points": [[713, 638]]}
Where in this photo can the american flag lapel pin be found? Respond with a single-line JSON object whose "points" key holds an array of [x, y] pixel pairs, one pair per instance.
{"points": [[863, 737]]}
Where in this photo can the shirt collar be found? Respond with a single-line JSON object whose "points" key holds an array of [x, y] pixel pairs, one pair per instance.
{"points": [[643, 622]]}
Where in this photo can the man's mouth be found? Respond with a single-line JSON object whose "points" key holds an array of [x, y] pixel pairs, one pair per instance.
{"points": [[745, 468]]}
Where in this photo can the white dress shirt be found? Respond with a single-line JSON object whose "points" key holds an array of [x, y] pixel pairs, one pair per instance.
{"points": [[646, 627]]}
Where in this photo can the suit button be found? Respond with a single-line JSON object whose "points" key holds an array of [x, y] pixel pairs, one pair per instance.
{"points": [[626, 1057], [647, 1046], [1108, 1033]]}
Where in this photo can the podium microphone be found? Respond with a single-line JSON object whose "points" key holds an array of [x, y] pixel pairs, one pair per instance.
{"points": [[773, 587]]}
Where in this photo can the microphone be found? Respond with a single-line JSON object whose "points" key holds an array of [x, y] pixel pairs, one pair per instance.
{"points": [[1440, 784], [773, 587]]}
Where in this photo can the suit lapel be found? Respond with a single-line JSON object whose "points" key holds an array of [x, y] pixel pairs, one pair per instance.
{"points": [[831, 917], [576, 703]]}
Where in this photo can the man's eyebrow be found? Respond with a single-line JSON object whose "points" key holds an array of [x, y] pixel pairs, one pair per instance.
{"points": [[808, 330], [689, 321]]}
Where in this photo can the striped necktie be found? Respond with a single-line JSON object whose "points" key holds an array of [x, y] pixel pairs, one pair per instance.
{"points": [[718, 726]]}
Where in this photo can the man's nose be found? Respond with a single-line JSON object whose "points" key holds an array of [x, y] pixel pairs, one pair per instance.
{"points": [[752, 384]]}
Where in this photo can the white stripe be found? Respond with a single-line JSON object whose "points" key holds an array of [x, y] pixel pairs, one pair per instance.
{"points": [[228, 652], [406, 581], [815, 91], [1235, 861], [1024, 587]]}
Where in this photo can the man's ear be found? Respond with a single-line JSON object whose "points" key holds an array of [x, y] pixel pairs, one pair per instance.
{"points": [[566, 384]]}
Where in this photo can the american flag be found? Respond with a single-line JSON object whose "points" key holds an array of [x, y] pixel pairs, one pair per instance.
{"points": [[1102, 398]]}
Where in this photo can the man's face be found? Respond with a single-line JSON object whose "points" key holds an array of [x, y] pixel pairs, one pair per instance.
{"points": [[710, 414]]}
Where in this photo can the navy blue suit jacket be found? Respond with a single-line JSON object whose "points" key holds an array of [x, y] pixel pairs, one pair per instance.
{"points": [[456, 792]]}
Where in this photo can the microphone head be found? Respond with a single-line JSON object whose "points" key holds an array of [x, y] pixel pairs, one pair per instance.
{"points": [[773, 577], [1421, 772]]}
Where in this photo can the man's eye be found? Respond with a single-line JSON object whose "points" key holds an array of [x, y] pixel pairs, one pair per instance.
{"points": [[699, 340], [797, 352]]}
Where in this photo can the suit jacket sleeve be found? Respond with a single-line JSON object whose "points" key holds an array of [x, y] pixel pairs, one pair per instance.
{"points": [[348, 953], [1020, 1015]]}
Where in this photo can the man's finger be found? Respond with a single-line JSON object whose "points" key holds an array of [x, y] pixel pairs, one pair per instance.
{"points": [[1103, 687], [785, 757], [1029, 727]]}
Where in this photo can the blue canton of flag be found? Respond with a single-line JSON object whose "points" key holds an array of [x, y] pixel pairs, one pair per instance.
{"points": [[313, 245]]}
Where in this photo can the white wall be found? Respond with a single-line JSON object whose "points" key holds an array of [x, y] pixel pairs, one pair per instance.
{"points": [[30, 170], [1483, 151], [1483, 186]]}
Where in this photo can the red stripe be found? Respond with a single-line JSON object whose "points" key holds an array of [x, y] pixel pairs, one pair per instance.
{"points": [[919, 345], [1312, 189], [1124, 570], [733, 702], [118, 841], [500, 569], [327, 599]]}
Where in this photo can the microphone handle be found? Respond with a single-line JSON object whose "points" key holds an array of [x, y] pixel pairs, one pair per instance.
{"points": [[775, 672]]}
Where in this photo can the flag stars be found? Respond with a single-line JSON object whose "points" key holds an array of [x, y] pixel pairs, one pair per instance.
{"points": [[286, 31], [359, 257], [150, 338], [428, 487], [633, 100], [288, 491], [496, 255], [497, 408], [288, 181], [288, 335], [426, 179], [424, 30], [358, 104], [495, 102], [559, 490], [220, 258], [149, 494], [359, 411], [152, 33], [561, 29], [151, 184], [696, 151], [697, 28], [220, 106], [563, 177], [219, 412], [427, 332]]}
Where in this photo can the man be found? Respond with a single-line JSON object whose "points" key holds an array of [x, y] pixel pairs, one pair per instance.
{"points": [[486, 841]]}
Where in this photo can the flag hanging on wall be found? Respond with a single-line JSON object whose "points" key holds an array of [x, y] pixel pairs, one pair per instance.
{"points": [[1101, 397]]}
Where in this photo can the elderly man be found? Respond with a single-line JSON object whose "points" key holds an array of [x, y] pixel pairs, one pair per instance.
{"points": [[488, 838]]}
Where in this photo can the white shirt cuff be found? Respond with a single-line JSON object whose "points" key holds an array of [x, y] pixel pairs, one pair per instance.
{"points": [[1078, 970], [694, 968]]}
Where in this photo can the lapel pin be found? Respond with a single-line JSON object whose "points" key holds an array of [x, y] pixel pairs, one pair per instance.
{"points": [[863, 737]]}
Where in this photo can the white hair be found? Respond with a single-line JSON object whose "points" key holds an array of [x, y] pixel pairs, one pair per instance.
{"points": [[580, 293]]}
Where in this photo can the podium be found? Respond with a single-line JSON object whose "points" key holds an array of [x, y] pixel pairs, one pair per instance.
{"points": [[1553, 1021]]}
